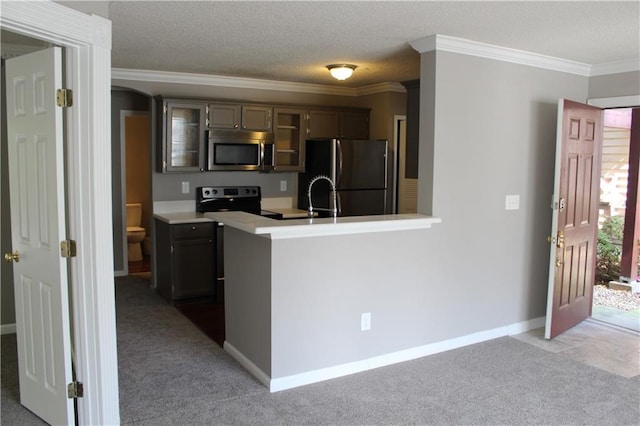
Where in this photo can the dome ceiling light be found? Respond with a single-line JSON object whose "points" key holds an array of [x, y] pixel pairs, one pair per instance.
{"points": [[341, 71]]}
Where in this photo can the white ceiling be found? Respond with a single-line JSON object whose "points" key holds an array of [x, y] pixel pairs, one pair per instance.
{"points": [[293, 41]]}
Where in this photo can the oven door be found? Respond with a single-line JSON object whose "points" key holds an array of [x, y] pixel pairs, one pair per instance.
{"points": [[234, 156]]}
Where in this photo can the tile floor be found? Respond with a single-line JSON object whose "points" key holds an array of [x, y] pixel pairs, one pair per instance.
{"points": [[626, 319], [610, 348]]}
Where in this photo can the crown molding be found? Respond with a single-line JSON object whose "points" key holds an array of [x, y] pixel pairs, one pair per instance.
{"points": [[505, 54], [381, 88], [226, 81], [617, 67], [122, 74]]}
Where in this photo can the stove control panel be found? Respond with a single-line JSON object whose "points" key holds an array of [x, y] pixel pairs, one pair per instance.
{"points": [[222, 192]]}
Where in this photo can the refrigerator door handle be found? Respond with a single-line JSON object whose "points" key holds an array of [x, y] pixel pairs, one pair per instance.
{"points": [[339, 163]]}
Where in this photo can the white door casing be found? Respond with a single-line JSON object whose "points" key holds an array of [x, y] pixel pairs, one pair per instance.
{"points": [[36, 181], [87, 43]]}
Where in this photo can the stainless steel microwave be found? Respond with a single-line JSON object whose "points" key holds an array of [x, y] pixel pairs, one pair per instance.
{"points": [[240, 150]]}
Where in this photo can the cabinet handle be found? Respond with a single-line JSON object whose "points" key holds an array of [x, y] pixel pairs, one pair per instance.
{"points": [[193, 228]]}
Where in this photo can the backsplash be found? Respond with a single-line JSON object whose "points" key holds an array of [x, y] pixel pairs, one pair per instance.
{"points": [[168, 186]]}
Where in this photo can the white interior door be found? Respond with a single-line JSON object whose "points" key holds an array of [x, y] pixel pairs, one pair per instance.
{"points": [[36, 174]]}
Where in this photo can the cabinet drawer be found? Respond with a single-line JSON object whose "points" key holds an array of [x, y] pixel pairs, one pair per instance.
{"points": [[193, 230]]}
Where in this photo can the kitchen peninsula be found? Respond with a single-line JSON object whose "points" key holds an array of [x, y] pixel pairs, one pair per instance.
{"points": [[312, 299]]}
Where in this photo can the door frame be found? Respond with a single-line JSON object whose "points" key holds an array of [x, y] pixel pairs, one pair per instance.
{"points": [[123, 186], [395, 162], [86, 40]]}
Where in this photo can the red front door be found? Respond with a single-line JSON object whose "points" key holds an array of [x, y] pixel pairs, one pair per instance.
{"points": [[575, 216]]}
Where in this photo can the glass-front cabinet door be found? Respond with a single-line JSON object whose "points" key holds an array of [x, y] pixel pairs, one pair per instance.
{"points": [[184, 142], [290, 136]]}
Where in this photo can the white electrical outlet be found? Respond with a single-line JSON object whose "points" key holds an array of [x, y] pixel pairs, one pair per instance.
{"points": [[365, 321], [185, 187], [512, 202], [283, 185]]}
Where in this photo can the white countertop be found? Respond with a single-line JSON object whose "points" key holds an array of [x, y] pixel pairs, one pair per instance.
{"points": [[178, 217], [175, 218], [289, 213], [298, 228]]}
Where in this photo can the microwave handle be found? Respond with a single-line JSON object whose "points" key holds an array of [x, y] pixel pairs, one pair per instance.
{"points": [[261, 154], [267, 164]]}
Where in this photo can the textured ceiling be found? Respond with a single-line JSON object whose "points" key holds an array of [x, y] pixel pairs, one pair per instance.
{"points": [[293, 41]]}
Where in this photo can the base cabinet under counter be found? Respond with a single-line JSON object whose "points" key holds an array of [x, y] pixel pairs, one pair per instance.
{"points": [[186, 260]]}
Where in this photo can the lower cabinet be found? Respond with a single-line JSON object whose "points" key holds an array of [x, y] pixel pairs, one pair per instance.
{"points": [[186, 255]]}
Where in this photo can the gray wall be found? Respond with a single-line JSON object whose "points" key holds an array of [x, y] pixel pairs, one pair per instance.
{"points": [[488, 130], [247, 295], [622, 84], [120, 100], [7, 307], [320, 287]]}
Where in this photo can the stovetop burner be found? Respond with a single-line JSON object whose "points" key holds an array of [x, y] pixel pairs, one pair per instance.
{"points": [[228, 198]]}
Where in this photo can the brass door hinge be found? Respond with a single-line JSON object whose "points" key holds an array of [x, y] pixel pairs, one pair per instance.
{"points": [[68, 248], [75, 390], [64, 98]]}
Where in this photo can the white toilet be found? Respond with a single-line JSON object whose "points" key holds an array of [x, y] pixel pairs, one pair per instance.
{"points": [[135, 233]]}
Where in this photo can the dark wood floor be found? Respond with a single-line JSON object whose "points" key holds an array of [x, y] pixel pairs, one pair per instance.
{"points": [[142, 266], [207, 315]]}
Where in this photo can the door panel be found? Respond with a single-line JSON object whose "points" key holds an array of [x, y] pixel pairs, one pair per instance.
{"points": [[575, 216], [36, 182], [360, 203], [361, 164]]}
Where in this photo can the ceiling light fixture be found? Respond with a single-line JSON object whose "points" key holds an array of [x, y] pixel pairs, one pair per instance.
{"points": [[341, 71]]}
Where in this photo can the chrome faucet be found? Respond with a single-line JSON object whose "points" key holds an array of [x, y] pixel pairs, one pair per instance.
{"points": [[334, 210]]}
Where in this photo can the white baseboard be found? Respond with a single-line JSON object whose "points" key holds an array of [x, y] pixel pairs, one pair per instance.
{"points": [[247, 363], [8, 328], [296, 380]]}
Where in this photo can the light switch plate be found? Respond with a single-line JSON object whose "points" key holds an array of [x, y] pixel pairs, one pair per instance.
{"points": [[283, 185], [365, 321], [512, 202], [185, 187]]}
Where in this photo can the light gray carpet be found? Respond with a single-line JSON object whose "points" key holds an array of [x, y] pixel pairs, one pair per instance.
{"points": [[172, 374]]}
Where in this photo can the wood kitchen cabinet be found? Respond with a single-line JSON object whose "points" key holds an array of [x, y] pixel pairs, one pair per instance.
{"points": [[338, 124], [291, 129], [224, 116], [181, 135], [354, 125], [236, 116], [324, 124], [186, 256]]}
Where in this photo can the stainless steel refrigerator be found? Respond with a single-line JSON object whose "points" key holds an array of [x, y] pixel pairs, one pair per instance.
{"points": [[358, 168]]}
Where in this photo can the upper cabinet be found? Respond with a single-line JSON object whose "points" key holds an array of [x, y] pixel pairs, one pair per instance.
{"points": [[182, 136], [339, 124], [291, 130], [224, 116], [257, 118], [324, 124], [182, 129], [354, 125], [236, 116]]}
